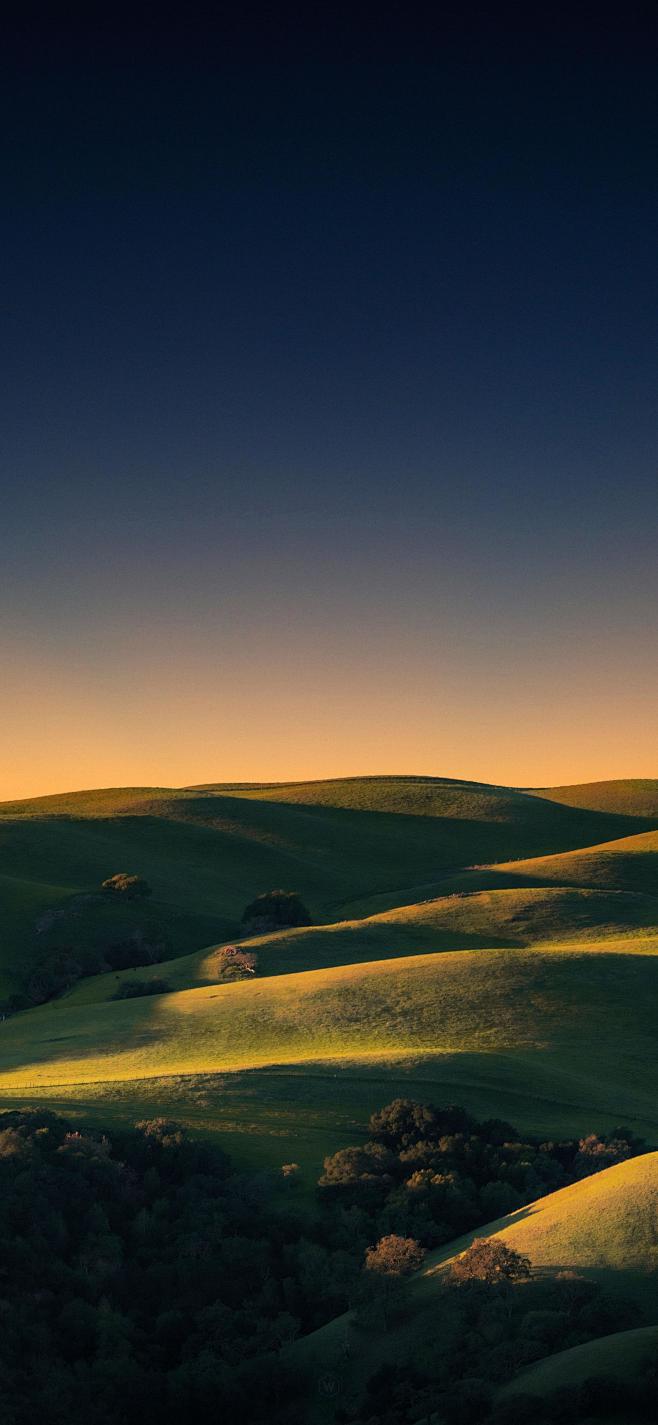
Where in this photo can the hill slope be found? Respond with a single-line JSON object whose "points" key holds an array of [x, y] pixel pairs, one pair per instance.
{"points": [[621, 1356], [206, 854], [630, 864], [575, 1025], [484, 919], [634, 797]]}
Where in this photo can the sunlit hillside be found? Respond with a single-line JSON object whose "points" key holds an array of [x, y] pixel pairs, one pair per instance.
{"points": [[477, 920], [207, 854], [633, 797], [630, 864], [576, 1024]]}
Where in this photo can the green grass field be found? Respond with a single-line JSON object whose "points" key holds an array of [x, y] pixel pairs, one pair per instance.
{"points": [[473, 944], [578, 1024]]}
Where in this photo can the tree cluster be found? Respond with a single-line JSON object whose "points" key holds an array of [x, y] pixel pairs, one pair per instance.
{"points": [[142, 1279], [432, 1173], [60, 968], [486, 1329]]}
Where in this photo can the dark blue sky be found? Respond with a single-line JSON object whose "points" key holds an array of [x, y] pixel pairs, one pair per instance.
{"points": [[329, 363]]}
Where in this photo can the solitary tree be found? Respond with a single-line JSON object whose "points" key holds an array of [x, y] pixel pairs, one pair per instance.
{"points": [[491, 1261], [394, 1256], [386, 1265], [276, 910], [130, 888]]}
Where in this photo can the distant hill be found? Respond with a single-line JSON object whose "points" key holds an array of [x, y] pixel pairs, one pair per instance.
{"points": [[630, 864], [485, 919], [634, 797], [207, 853]]}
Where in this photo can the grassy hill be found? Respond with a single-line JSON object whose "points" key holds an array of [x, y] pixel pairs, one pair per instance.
{"points": [[478, 920], [634, 797], [621, 1356], [604, 1225], [474, 944], [547, 1036], [630, 864], [206, 853]]}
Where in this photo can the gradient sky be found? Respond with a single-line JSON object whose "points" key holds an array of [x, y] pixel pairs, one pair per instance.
{"points": [[329, 400]]}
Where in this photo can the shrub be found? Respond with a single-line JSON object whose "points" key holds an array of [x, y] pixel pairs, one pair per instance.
{"points": [[128, 887], [234, 962], [276, 910]]}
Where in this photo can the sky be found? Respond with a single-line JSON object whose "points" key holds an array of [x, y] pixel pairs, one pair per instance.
{"points": [[328, 388]]}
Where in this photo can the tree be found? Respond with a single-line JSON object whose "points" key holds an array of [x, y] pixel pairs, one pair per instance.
{"points": [[394, 1256], [354, 1167], [276, 910], [491, 1261], [405, 1122], [128, 887], [54, 974], [386, 1264]]}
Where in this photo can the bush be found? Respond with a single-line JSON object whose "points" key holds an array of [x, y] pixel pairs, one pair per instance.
{"points": [[276, 910], [128, 887]]}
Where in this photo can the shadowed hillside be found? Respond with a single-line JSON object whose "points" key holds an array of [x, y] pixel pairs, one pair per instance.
{"points": [[619, 1356], [206, 855]]}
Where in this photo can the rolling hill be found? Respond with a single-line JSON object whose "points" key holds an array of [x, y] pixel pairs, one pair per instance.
{"points": [[477, 920], [207, 852], [630, 864], [635, 797], [560, 1030]]}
